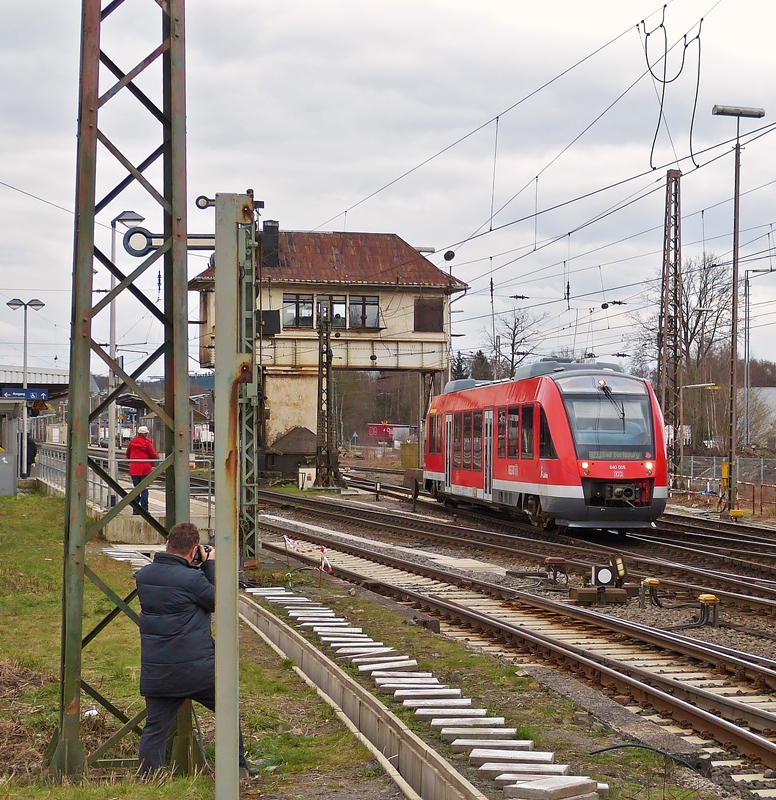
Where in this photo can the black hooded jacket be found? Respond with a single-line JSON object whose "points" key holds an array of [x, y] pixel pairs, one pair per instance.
{"points": [[177, 651]]}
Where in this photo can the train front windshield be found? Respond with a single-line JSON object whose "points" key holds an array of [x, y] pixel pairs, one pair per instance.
{"points": [[610, 417]]}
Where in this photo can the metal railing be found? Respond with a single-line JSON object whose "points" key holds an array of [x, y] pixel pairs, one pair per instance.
{"points": [[52, 470]]}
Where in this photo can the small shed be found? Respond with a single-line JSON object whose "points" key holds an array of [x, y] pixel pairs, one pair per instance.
{"points": [[294, 449]]}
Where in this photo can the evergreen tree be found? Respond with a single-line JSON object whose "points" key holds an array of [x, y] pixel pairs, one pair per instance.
{"points": [[459, 369], [481, 368]]}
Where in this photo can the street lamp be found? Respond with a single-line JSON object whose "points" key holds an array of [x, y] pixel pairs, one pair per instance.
{"points": [[35, 305], [753, 113], [129, 219], [680, 432], [747, 380]]}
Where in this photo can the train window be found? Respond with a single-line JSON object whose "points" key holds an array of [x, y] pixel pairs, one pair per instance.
{"points": [[477, 441], [457, 440], [502, 433], [527, 432], [513, 431], [431, 435], [438, 422], [546, 447], [467, 439]]}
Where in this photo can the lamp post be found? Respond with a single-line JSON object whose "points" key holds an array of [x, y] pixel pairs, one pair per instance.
{"points": [[128, 219], [737, 112], [36, 305], [747, 381], [680, 431]]}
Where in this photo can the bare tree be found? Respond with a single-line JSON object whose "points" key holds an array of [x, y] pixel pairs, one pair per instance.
{"points": [[517, 337], [706, 295]]}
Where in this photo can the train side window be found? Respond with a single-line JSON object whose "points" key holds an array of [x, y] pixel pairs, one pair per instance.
{"points": [[477, 441], [467, 439], [431, 435], [513, 431], [457, 440], [546, 446], [438, 420], [502, 433], [527, 432]]}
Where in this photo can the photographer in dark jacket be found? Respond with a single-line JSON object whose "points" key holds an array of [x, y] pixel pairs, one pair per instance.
{"points": [[177, 651]]}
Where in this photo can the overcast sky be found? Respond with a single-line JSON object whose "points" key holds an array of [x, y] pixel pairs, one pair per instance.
{"points": [[317, 105]]}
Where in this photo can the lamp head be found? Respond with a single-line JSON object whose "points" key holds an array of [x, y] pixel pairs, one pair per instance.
{"points": [[738, 111], [128, 219], [36, 304], [15, 304]]}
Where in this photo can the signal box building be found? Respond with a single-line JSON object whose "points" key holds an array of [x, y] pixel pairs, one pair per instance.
{"points": [[389, 308]]}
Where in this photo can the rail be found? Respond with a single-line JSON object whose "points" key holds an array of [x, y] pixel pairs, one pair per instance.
{"points": [[52, 470]]}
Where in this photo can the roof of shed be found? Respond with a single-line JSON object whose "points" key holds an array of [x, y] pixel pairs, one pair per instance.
{"points": [[372, 259]]}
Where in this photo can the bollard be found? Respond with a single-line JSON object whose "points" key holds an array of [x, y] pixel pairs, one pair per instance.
{"points": [[648, 586], [377, 490], [709, 610]]}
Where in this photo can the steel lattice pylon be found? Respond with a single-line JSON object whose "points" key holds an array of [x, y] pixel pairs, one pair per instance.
{"points": [[326, 461], [66, 754], [670, 358], [251, 406]]}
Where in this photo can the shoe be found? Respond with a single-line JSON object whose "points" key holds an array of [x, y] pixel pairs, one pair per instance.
{"points": [[246, 773]]}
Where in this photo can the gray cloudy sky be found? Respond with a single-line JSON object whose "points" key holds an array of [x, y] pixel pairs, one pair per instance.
{"points": [[315, 105]]}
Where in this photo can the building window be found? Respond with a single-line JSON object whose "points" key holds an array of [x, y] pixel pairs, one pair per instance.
{"points": [[335, 305], [297, 311], [429, 314], [513, 432], [527, 431], [502, 433], [364, 311]]}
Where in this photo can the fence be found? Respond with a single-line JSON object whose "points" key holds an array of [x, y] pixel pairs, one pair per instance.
{"points": [[52, 469], [756, 481]]}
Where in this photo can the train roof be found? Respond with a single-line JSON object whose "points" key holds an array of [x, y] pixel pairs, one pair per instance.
{"points": [[546, 366]]}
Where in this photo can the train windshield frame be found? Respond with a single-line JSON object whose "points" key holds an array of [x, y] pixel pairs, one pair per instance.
{"points": [[610, 417]]}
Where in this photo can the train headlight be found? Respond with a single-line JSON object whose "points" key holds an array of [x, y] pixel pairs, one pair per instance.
{"points": [[648, 466], [585, 467]]}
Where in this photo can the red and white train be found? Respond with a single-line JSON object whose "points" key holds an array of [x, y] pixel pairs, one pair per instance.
{"points": [[567, 444]]}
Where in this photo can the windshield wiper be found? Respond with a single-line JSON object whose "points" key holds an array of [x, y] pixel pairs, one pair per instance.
{"points": [[619, 406]]}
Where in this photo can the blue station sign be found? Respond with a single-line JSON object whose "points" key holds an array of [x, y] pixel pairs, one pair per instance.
{"points": [[25, 394]]}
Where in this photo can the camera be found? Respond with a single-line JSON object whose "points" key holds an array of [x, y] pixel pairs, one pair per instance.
{"points": [[198, 555]]}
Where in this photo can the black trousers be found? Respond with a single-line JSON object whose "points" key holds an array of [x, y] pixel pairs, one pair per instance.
{"points": [[160, 716]]}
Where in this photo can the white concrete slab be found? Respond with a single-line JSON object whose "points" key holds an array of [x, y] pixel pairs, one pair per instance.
{"points": [[555, 788], [483, 735], [457, 722], [464, 745], [407, 664], [493, 769], [443, 702], [489, 755], [431, 692]]}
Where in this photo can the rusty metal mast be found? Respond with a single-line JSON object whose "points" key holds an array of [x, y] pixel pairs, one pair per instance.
{"points": [[167, 57], [326, 467], [670, 357]]}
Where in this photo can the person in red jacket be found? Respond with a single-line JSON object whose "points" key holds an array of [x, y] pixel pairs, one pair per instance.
{"points": [[140, 451]]}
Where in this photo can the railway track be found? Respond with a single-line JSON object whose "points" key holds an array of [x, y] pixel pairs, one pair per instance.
{"points": [[739, 590], [722, 694]]}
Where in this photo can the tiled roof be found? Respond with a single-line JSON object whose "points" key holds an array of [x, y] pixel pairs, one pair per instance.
{"points": [[372, 259]]}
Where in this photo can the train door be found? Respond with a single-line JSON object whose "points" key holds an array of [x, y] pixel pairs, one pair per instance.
{"points": [[448, 453], [487, 455]]}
